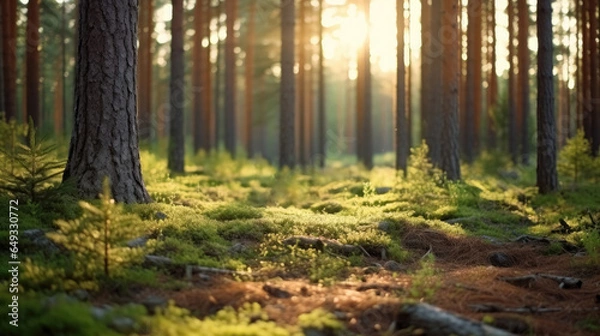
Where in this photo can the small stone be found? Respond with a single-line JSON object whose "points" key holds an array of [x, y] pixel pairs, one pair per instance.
{"points": [[394, 266], [501, 259], [98, 313], [81, 294], [159, 215], [124, 325], [382, 190], [159, 261], [38, 239], [138, 242], [384, 226], [153, 302], [237, 248]]}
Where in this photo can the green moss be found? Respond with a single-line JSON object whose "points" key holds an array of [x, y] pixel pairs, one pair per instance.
{"points": [[233, 211]]}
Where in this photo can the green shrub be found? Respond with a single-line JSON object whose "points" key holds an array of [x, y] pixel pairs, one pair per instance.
{"points": [[591, 242], [575, 160], [425, 281]]}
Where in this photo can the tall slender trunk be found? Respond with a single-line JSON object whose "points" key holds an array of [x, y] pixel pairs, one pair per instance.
{"points": [[450, 82], [322, 127], [594, 77], [249, 79], [301, 86], [145, 69], [426, 47], [473, 81], [287, 90], [547, 180], [364, 95], [32, 61], [402, 137], [198, 67], [523, 51], [230, 79], [492, 94], [9, 59], [176, 92], [513, 135]]}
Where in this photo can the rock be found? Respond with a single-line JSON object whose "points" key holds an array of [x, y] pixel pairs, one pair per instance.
{"points": [[160, 261], [501, 259], [394, 266], [159, 215], [153, 302], [509, 174], [384, 226], [237, 248], [81, 294], [276, 292], [38, 239], [123, 325], [99, 312], [50, 302], [492, 240], [382, 190], [138, 242]]}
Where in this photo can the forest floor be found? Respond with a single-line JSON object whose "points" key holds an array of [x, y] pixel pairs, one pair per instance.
{"points": [[336, 252]]}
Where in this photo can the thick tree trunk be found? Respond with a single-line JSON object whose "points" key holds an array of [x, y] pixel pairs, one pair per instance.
{"points": [[523, 54], [104, 140], [230, 76], [2, 62], [145, 69], [450, 80], [547, 180], [402, 137], [287, 90], [177, 92], [9, 59]]}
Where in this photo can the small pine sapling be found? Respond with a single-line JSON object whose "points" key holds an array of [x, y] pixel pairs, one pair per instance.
{"points": [[575, 159], [99, 237], [31, 168]]}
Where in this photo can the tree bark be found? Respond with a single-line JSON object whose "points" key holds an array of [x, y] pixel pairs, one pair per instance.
{"points": [[450, 80], [473, 81], [32, 60], [322, 127], [426, 47], [547, 180], [287, 89], [104, 141], [301, 87], [523, 56], [9, 59], [364, 132], [230, 77], [177, 92], [145, 69], [434, 59], [513, 134], [402, 137], [492, 92], [594, 77], [249, 80]]}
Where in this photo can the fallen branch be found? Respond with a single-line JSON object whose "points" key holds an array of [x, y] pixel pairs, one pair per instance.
{"points": [[384, 287], [564, 282], [436, 321], [492, 308], [527, 280]]}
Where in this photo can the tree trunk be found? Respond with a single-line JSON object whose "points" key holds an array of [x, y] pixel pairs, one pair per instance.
{"points": [[198, 78], [104, 141], [364, 133], [523, 52], [450, 78], [473, 81], [177, 92], [9, 59], [287, 89], [594, 72], [402, 138], [208, 111], [218, 80], [2, 61], [512, 113], [547, 180], [145, 69], [230, 78], [322, 127], [585, 73], [426, 48], [249, 74], [492, 92], [435, 55], [301, 88]]}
